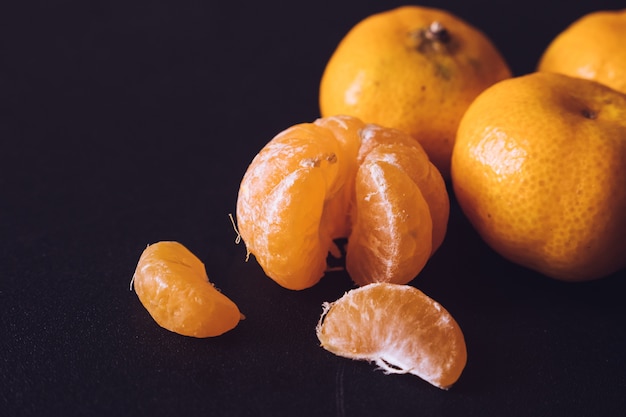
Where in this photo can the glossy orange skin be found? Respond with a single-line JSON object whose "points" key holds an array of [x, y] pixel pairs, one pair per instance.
{"points": [[172, 284], [388, 72], [591, 48], [340, 178], [539, 168]]}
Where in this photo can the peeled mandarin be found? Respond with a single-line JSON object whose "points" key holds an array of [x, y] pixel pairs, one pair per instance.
{"points": [[339, 178]]}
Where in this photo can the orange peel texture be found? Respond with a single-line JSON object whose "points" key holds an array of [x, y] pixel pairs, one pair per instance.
{"points": [[412, 68]]}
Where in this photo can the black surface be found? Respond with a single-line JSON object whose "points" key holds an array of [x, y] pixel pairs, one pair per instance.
{"points": [[126, 123]]}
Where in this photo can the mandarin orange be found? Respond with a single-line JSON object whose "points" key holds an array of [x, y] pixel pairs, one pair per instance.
{"points": [[172, 284], [338, 178], [397, 327], [592, 47], [539, 168], [412, 68]]}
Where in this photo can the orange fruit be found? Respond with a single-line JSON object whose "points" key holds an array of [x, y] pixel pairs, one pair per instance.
{"points": [[592, 47], [397, 327], [339, 178], [411, 68], [172, 284], [539, 168]]}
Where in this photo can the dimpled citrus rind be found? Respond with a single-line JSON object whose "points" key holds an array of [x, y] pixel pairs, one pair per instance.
{"points": [[539, 169], [386, 71], [592, 47]]}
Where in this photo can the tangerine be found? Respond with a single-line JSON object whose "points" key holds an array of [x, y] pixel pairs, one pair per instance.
{"points": [[172, 284], [412, 68], [338, 178], [397, 327], [592, 47], [539, 169]]}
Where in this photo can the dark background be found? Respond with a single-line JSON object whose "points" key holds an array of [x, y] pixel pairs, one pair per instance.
{"points": [[126, 123]]}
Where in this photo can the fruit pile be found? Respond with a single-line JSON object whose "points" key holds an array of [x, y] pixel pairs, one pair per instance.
{"points": [[413, 98]]}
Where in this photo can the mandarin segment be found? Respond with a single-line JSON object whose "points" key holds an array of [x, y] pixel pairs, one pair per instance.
{"points": [[294, 249], [399, 149], [172, 284], [281, 202], [300, 194], [398, 328], [392, 236], [336, 212]]}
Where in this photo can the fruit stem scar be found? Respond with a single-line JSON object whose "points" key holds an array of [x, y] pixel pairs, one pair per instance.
{"points": [[589, 114], [437, 32], [434, 38]]}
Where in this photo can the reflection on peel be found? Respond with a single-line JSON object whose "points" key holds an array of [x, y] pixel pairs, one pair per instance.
{"points": [[496, 152]]}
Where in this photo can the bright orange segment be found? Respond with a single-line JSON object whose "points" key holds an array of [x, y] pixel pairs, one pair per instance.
{"points": [[392, 237], [340, 178], [172, 284], [397, 327], [281, 202]]}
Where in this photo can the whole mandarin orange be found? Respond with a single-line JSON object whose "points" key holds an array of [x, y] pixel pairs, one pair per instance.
{"points": [[338, 178], [411, 68], [539, 168], [592, 48]]}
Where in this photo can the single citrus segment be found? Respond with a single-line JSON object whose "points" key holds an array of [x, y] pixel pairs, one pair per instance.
{"points": [[539, 169], [412, 68], [172, 284], [392, 230], [340, 178], [397, 327], [592, 47]]}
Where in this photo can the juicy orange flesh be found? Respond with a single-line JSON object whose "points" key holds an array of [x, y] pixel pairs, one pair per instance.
{"points": [[172, 284], [281, 200], [397, 327], [398, 148], [299, 194], [393, 230]]}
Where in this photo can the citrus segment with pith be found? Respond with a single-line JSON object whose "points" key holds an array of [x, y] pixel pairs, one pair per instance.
{"points": [[397, 327]]}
